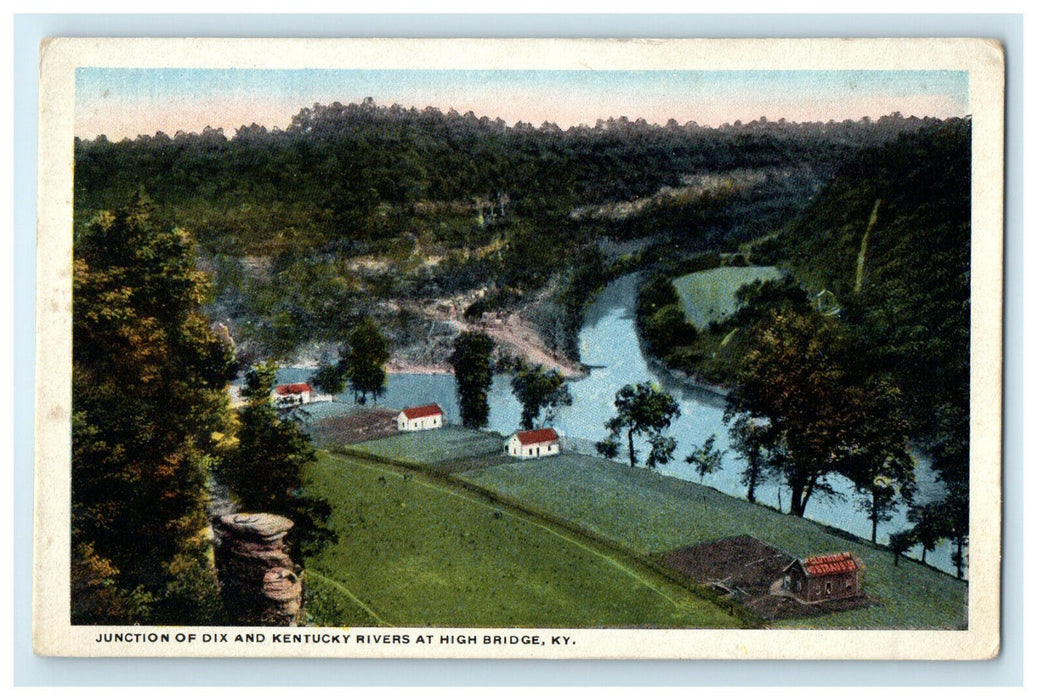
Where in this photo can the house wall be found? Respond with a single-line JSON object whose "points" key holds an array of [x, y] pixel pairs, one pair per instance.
{"points": [[423, 423], [515, 448]]}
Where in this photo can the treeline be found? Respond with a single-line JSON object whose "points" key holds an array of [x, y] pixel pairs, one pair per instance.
{"points": [[441, 203]]}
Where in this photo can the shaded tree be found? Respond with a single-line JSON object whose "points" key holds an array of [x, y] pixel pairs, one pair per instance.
{"points": [[473, 369], [365, 359], [899, 543], [538, 390], [750, 438], [819, 418], [643, 410]]}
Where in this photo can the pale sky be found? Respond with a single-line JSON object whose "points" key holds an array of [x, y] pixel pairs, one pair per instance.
{"points": [[126, 102]]}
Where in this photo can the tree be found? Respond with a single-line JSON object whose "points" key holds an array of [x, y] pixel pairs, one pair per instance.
{"points": [[879, 502], [264, 471], [644, 410], [929, 526], [750, 438], [148, 397], [818, 415], [899, 543], [706, 459], [538, 389], [364, 362], [473, 367]]}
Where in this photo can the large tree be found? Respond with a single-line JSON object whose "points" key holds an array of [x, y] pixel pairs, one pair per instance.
{"points": [[642, 410], [538, 390], [365, 359], [149, 398], [472, 361], [817, 415]]}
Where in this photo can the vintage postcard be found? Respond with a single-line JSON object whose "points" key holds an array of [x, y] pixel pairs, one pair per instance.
{"points": [[519, 348]]}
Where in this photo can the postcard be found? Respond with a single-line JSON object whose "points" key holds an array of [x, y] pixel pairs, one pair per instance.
{"points": [[542, 349]]}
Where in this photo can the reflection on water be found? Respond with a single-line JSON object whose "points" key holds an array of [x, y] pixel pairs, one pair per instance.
{"points": [[609, 345]]}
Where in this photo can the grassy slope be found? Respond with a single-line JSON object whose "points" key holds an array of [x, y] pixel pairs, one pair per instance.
{"points": [[650, 513], [710, 295], [415, 552]]}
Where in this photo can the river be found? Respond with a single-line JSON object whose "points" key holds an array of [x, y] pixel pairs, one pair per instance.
{"points": [[609, 346]]}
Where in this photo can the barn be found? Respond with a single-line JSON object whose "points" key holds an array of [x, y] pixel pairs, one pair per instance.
{"points": [[824, 577], [529, 444], [288, 395], [426, 417]]}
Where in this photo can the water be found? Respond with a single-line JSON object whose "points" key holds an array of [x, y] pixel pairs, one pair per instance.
{"points": [[609, 345]]}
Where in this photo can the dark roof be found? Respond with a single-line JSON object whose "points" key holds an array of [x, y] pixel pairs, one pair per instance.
{"points": [[826, 564], [432, 409], [299, 388], [532, 437]]}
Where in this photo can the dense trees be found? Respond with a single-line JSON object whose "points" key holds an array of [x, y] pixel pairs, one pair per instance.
{"points": [[472, 361], [642, 410], [819, 416], [149, 406]]}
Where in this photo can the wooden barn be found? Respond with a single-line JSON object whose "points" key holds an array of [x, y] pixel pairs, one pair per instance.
{"points": [[529, 444], [289, 395], [428, 417], [824, 577]]}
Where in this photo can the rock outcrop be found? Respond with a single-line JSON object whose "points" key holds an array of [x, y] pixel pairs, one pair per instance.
{"points": [[259, 584]]}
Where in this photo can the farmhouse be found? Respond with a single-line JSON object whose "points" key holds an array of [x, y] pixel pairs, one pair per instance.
{"points": [[288, 395], [825, 577], [528, 444], [426, 417]]}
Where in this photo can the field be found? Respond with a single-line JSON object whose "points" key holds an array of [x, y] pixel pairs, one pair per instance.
{"points": [[710, 295], [416, 551], [444, 449], [652, 514]]}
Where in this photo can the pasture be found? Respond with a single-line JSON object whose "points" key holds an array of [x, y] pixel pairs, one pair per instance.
{"points": [[652, 514], [710, 295], [415, 550]]}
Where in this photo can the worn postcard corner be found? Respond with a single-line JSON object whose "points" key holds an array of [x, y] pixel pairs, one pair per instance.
{"points": [[519, 348]]}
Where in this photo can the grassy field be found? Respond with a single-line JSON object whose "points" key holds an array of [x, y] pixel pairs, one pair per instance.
{"points": [[651, 514], [435, 447], [710, 295], [417, 551]]}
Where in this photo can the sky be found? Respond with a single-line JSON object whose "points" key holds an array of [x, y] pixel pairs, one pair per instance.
{"points": [[126, 102]]}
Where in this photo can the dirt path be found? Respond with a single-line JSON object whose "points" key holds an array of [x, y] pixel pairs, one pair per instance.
{"points": [[511, 332]]}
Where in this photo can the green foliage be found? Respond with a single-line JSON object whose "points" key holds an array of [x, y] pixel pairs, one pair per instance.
{"points": [[817, 415], [705, 458], [538, 390], [643, 410], [473, 368], [365, 359], [264, 471], [148, 394]]}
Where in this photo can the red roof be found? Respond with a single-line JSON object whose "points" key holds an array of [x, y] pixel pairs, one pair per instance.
{"points": [[299, 388], [843, 563], [432, 409], [532, 437]]}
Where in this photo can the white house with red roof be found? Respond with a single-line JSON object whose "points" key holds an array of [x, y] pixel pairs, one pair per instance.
{"points": [[289, 395], [530, 444], [426, 417]]}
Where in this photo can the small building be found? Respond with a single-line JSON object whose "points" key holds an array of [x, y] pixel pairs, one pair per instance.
{"points": [[824, 577], [529, 444], [426, 417], [290, 395]]}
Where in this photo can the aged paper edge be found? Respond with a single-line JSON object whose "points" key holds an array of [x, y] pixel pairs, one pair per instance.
{"points": [[982, 59]]}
